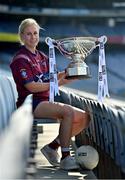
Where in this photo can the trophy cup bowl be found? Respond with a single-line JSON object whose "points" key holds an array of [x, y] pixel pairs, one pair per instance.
{"points": [[77, 49]]}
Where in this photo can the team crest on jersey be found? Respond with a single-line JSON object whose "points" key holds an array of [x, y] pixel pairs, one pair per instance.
{"points": [[23, 73]]}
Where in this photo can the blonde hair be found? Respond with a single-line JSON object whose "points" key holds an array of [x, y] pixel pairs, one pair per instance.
{"points": [[25, 23]]}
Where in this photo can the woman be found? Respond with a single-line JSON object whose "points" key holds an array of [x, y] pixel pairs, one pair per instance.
{"points": [[31, 74]]}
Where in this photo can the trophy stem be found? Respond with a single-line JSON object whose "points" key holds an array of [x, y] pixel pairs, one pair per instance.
{"points": [[77, 58], [78, 68]]}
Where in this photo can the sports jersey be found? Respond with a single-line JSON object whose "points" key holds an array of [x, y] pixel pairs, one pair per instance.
{"points": [[27, 67]]}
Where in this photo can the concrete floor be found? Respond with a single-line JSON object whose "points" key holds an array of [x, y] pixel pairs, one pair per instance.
{"points": [[44, 169]]}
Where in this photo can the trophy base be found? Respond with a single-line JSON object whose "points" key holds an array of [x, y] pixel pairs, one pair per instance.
{"points": [[78, 73]]}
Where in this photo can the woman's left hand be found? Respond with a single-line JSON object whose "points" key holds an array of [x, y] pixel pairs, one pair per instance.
{"points": [[64, 79]]}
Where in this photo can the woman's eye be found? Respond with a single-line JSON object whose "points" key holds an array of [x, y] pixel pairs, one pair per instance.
{"points": [[30, 34], [35, 33]]}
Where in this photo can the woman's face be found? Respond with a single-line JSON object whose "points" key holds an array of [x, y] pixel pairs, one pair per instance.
{"points": [[30, 36]]}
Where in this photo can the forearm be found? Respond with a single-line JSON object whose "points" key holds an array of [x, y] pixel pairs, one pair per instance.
{"points": [[35, 87]]}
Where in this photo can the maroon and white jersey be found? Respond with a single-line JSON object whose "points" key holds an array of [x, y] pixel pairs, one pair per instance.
{"points": [[27, 67]]}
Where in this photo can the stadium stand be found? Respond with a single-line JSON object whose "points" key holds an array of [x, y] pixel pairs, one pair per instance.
{"points": [[80, 18]]}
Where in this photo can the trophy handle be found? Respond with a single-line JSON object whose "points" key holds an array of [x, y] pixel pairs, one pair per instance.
{"points": [[102, 39]]}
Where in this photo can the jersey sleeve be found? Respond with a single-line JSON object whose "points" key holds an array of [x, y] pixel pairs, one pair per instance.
{"points": [[22, 71]]}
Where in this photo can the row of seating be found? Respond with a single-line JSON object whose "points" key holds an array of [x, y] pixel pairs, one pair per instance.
{"points": [[106, 133], [8, 97], [67, 28], [18, 134]]}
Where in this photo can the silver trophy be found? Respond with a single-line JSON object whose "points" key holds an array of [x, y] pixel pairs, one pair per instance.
{"points": [[77, 49]]}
